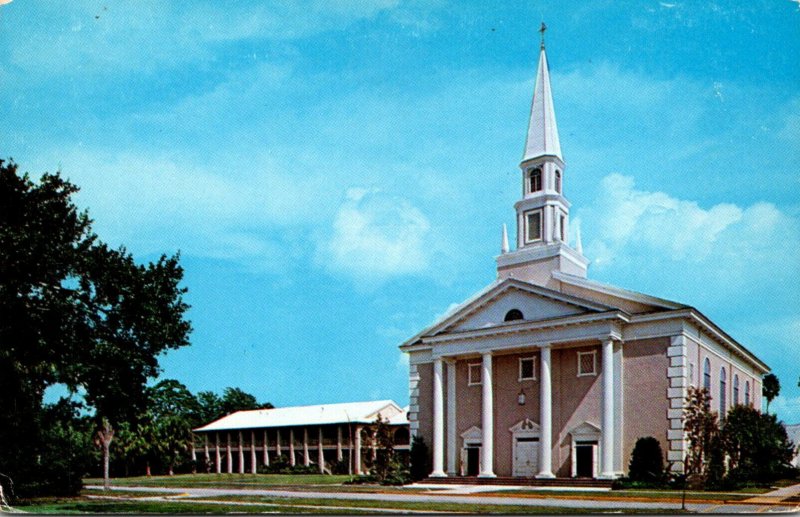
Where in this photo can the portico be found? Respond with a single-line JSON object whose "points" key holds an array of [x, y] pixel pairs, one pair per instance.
{"points": [[448, 439]]}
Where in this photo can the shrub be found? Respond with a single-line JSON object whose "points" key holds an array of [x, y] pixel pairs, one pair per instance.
{"points": [[647, 461]]}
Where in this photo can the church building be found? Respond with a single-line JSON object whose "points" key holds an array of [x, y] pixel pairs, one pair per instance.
{"points": [[545, 373]]}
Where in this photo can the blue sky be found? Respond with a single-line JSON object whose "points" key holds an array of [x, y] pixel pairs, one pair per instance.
{"points": [[335, 174]]}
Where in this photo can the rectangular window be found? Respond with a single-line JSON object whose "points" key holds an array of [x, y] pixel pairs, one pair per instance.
{"points": [[474, 374], [527, 368], [587, 363], [533, 226]]}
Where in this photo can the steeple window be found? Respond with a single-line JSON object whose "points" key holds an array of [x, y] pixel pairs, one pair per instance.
{"points": [[533, 226], [535, 180], [562, 226], [558, 181]]}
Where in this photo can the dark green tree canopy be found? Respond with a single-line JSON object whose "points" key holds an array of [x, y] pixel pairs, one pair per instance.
{"points": [[76, 312]]}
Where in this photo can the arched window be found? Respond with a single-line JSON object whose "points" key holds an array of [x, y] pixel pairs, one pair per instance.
{"points": [[558, 181], [746, 393], [535, 180], [513, 314], [707, 375], [722, 391], [735, 390]]}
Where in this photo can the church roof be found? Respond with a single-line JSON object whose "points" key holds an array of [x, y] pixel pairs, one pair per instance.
{"points": [[542, 139], [492, 291], [322, 414]]}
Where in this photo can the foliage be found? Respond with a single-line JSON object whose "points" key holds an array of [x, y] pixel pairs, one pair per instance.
{"points": [[281, 465], [647, 461], [771, 387], [382, 438], [75, 312], [757, 446], [715, 471], [700, 424], [420, 459]]}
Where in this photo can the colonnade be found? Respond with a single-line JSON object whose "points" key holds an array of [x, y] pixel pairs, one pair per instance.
{"points": [[222, 444], [487, 415]]}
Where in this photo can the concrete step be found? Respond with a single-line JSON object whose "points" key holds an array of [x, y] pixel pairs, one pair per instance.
{"points": [[517, 481]]}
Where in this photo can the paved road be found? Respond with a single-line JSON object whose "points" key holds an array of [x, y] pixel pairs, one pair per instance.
{"points": [[438, 498]]}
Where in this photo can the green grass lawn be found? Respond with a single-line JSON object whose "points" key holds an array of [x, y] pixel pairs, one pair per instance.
{"points": [[287, 505]]}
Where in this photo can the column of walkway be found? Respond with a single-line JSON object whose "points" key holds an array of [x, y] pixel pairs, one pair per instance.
{"points": [[229, 448], [487, 418]]}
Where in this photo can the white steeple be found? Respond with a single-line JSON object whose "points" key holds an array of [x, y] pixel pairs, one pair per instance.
{"points": [[504, 244], [542, 137], [543, 212]]}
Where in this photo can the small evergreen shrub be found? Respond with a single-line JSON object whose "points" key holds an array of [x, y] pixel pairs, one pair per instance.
{"points": [[647, 461]]}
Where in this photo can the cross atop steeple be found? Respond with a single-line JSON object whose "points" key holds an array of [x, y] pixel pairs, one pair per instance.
{"points": [[541, 31]]}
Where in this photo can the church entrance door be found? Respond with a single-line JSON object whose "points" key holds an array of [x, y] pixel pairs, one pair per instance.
{"points": [[526, 457], [473, 460], [584, 458]]}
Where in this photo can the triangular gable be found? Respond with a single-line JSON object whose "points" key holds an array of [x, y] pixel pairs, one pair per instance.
{"points": [[525, 427], [548, 298], [587, 429], [473, 434]]}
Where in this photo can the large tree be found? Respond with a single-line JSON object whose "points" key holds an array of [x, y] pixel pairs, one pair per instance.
{"points": [[75, 312]]}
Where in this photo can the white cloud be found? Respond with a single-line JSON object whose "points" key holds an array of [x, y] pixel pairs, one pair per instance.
{"points": [[375, 237], [242, 212], [624, 222]]}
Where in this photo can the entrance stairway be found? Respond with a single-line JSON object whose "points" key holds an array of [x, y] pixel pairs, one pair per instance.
{"points": [[515, 481]]}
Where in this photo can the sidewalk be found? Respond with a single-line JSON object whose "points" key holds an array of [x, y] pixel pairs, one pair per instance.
{"points": [[776, 496]]}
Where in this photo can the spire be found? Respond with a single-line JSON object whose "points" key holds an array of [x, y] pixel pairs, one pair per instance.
{"points": [[504, 245], [542, 130]]}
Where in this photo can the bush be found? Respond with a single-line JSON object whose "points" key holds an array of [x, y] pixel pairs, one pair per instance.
{"points": [[647, 461], [281, 465], [340, 467], [757, 445], [420, 459]]}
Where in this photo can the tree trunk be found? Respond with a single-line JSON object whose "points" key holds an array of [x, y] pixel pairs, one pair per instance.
{"points": [[147, 469], [105, 435]]}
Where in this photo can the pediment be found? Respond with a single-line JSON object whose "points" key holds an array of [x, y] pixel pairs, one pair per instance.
{"points": [[526, 426], [473, 434], [585, 429], [534, 302], [489, 307]]}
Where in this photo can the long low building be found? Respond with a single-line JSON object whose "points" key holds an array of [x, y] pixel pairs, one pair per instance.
{"points": [[318, 435]]}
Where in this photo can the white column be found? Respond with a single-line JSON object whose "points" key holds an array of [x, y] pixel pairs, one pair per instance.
{"points": [[320, 453], [217, 458], [607, 445], [229, 455], [339, 455], [208, 456], [438, 420], [277, 442], [451, 418], [291, 447], [252, 452], [357, 451], [545, 417], [306, 458], [241, 454], [266, 449], [487, 419]]}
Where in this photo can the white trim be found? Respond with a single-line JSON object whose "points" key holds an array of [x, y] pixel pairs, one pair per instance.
{"points": [[526, 230], [585, 432], [470, 382], [531, 358], [529, 429], [593, 373]]}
